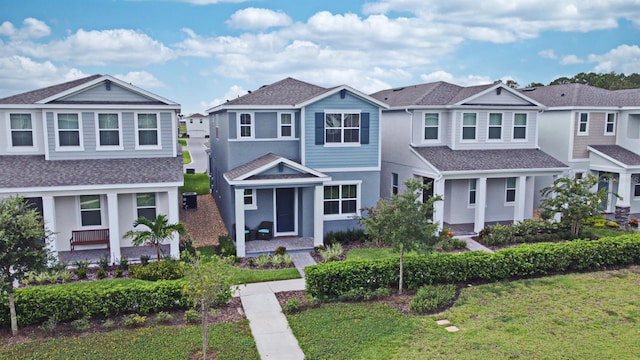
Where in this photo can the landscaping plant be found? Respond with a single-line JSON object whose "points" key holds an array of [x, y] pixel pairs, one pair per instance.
{"points": [[158, 230]]}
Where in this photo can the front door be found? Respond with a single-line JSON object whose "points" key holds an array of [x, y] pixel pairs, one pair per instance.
{"points": [[285, 211]]}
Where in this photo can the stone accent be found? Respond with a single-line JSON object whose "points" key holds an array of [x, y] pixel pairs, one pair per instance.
{"points": [[622, 215], [452, 329], [443, 322]]}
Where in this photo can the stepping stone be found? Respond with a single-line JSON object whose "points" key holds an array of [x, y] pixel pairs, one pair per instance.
{"points": [[452, 328], [443, 322]]}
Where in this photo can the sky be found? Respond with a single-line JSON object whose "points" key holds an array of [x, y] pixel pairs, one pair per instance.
{"points": [[201, 53]]}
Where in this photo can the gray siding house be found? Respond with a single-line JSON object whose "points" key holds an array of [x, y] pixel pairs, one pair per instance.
{"points": [[299, 156], [594, 131], [476, 146], [93, 153]]}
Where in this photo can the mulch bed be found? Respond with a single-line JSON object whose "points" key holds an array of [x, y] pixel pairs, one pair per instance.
{"points": [[204, 224]]}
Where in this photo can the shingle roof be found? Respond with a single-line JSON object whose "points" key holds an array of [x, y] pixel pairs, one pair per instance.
{"points": [[619, 153], [19, 171], [32, 97], [436, 93], [288, 91], [446, 159], [243, 169], [582, 95]]}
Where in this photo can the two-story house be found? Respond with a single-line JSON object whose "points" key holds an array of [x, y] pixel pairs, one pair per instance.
{"points": [[595, 131], [475, 146], [93, 153], [302, 157], [197, 125]]}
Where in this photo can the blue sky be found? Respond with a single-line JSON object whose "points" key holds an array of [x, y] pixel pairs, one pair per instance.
{"points": [[201, 52]]}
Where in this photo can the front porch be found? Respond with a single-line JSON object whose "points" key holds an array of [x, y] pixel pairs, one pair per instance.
{"points": [[293, 244], [467, 229], [93, 256]]}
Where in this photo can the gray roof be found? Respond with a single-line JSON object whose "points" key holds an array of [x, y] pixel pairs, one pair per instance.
{"points": [[446, 159], [619, 153], [437, 93], [251, 166], [582, 95], [20, 171], [288, 91], [32, 97]]}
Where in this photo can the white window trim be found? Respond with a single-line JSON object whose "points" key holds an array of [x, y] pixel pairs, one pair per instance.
{"points": [[348, 216], [254, 200], [606, 121], [342, 112], [109, 147], [135, 203], [34, 137], [293, 125], [469, 204], [586, 132], [501, 139], [513, 127], [216, 119], [395, 183], [102, 213], [80, 132], [507, 188], [424, 127], [462, 139], [252, 126], [159, 132]]}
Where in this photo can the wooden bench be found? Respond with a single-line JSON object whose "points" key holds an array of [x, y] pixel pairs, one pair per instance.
{"points": [[89, 237]]}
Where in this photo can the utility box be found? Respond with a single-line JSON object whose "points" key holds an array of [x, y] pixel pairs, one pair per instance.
{"points": [[189, 200]]}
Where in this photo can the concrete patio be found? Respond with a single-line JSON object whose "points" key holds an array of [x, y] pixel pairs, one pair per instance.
{"points": [[133, 254], [292, 244]]}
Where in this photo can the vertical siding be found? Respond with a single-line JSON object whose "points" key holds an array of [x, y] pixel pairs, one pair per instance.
{"points": [[596, 134]]}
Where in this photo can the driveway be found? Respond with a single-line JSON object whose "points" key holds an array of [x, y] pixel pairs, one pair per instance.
{"points": [[199, 158]]}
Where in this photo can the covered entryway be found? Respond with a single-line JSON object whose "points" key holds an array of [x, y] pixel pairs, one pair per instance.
{"points": [[286, 212]]}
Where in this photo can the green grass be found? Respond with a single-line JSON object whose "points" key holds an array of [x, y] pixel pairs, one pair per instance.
{"points": [[182, 142], [198, 183], [373, 253], [227, 340], [604, 232], [186, 157], [578, 316]]}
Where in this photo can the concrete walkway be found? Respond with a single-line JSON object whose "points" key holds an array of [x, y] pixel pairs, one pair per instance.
{"points": [[197, 147], [302, 260], [474, 245]]}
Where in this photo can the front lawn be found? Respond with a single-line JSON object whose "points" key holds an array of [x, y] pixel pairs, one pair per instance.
{"points": [[182, 142], [198, 183], [577, 316], [186, 157]]}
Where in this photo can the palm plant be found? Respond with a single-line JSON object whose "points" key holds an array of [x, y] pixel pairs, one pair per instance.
{"points": [[158, 231]]}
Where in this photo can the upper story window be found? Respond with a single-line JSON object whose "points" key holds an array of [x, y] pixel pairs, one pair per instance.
{"points": [[90, 210], [250, 199], [394, 183], [286, 125], [146, 205], [190, 121], [200, 121], [473, 189], [520, 126], [21, 130], [583, 124], [246, 125], [610, 124], [510, 190], [341, 200], [216, 120], [495, 126], [148, 129], [431, 126], [469, 124], [69, 129], [342, 127], [109, 134], [636, 190]]}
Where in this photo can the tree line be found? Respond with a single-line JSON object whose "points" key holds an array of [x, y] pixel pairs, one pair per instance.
{"points": [[609, 81]]}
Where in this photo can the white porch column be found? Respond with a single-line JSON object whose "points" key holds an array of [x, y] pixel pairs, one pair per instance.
{"points": [[318, 216], [557, 216], [481, 204], [239, 215], [438, 206], [49, 218], [521, 198], [114, 227], [624, 190], [174, 218]]}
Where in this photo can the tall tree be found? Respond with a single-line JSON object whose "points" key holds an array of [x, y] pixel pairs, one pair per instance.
{"points": [[22, 247], [404, 222], [158, 231], [610, 81]]}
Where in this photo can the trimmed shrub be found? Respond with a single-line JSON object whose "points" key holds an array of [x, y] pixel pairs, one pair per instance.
{"points": [[432, 297], [364, 294], [191, 316], [292, 306], [345, 237], [331, 252], [226, 246], [280, 250], [81, 324], [134, 320], [527, 231], [164, 317], [169, 269], [263, 260]]}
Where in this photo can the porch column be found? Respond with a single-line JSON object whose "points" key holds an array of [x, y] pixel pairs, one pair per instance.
{"points": [[557, 216], [318, 216], [623, 203], [521, 197], [49, 218], [481, 204], [438, 206], [239, 215], [174, 218], [114, 227]]}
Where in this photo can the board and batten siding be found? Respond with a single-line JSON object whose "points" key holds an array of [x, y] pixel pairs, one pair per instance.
{"points": [[595, 135], [482, 130]]}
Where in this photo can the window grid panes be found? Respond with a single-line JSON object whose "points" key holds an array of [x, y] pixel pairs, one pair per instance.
{"points": [[342, 128], [21, 130], [495, 126], [340, 199], [248, 197], [636, 190], [109, 130], [510, 190], [147, 129], [245, 125], [286, 125], [583, 126], [610, 126], [431, 126], [90, 212], [146, 205], [68, 130], [468, 126], [520, 126], [394, 183], [472, 191]]}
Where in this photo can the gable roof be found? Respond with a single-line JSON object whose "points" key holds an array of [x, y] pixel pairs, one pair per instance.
{"points": [[618, 154], [255, 169], [34, 96], [572, 95]]}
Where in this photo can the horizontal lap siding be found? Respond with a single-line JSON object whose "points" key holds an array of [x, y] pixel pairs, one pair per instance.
{"points": [[482, 130], [596, 134], [114, 94]]}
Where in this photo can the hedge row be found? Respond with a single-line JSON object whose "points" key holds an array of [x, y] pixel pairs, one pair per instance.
{"points": [[331, 280], [69, 302]]}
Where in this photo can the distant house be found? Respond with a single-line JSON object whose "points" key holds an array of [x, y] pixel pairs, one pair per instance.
{"points": [[197, 125], [92, 154], [303, 158], [595, 131], [475, 146]]}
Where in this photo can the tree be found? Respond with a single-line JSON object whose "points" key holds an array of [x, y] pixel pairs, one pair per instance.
{"points": [[208, 285], [404, 222], [159, 231], [22, 247], [575, 200]]}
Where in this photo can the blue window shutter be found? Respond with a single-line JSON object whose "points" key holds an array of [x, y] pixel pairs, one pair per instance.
{"points": [[319, 128], [364, 128]]}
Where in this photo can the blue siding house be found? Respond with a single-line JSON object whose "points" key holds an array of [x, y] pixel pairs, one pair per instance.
{"points": [[300, 158]]}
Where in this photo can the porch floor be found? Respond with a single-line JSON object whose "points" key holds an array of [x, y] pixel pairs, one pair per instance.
{"points": [[94, 255], [467, 229], [254, 248]]}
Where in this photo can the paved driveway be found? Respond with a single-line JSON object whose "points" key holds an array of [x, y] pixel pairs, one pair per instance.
{"points": [[199, 157]]}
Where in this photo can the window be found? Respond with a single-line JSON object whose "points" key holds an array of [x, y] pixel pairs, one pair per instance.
{"points": [[342, 128], [90, 212], [394, 183], [216, 119], [495, 126], [147, 130], [583, 124], [431, 128], [250, 199], [246, 125], [341, 199], [68, 130], [146, 205], [190, 121], [610, 125], [108, 130], [510, 190], [200, 121], [286, 125], [520, 126], [636, 189], [468, 126], [473, 185], [21, 130]]}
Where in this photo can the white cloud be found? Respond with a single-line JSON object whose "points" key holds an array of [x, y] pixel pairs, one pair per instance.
{"points": [[141, 79], [31, 29], [623, 59], [20, 74], [232, 93], [548, 54], [570, 60], [255, 18], [467, 80]]}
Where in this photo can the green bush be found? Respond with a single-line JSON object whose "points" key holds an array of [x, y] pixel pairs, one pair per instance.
{"points": [[277, 260], [330, 280], [280, 250], [164, 317], [101, 273], [527, 231], [134, 320], [81, 324], [292, 306], [169, 269], [360, 294], [430, 298], [331, 252], [345, 237], [108, 324], [103, 263], [458, 244], [263, 260], [191, 316], [226, 246]]}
